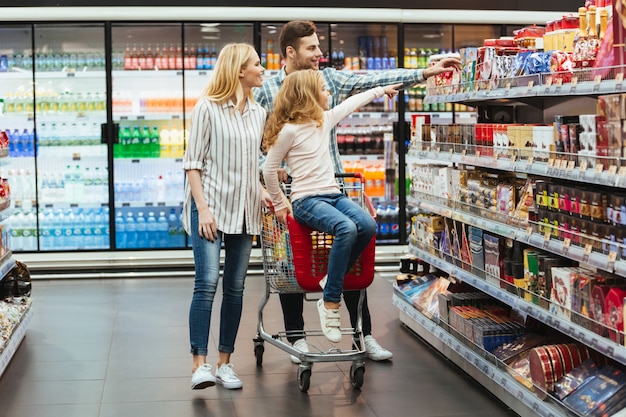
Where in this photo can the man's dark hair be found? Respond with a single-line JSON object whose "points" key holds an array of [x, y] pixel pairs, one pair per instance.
{"points": [[292, 32]]}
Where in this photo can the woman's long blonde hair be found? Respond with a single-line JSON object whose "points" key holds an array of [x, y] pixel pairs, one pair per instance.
{"points": [[296, 102], [225, 80]]}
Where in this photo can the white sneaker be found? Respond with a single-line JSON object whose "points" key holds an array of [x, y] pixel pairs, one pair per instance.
{"points": [[329, 320], [202, 377], [302, 346], [375, 351], [226, 376]]}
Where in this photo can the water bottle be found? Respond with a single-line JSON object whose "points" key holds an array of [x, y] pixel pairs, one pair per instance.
{"points": [[152, 231], [163, 230], [30, 231], [68, 183], [17, 231], [71, 231], [142, 235], [58, 221], [160, 189], [180, 241], [27, 143], [120, 231], [79, 184], [89, 226], [78, 231], [45, 225], [104, 214], [172, 229], [131, 231]]}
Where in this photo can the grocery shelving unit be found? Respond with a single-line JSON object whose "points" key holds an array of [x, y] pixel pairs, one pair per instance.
{"points": [[538, 98]]}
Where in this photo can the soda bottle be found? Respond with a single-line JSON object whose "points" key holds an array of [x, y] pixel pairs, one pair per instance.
{"points": [[146, 144], [135, 143], [155, 143], [382, 227]]}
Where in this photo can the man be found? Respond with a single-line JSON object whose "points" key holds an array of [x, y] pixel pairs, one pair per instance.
{"points": [[300, 47]]}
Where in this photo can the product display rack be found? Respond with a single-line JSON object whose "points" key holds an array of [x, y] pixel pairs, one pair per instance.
{"points": [[497, 381], [539, 97]]}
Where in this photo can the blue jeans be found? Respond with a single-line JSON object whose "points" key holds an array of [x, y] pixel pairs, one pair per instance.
{"points": [[352, 227], [206, 256]]}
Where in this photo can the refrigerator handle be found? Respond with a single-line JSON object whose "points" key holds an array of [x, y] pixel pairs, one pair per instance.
{"points": [[104, 133]]}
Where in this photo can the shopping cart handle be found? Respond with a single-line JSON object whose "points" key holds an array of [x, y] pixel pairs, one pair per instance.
{"points": [[349, 175]]}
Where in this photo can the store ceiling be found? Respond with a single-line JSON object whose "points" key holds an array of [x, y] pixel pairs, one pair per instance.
{"points": [[538, 5]]}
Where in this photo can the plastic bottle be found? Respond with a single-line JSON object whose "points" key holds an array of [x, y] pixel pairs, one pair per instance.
{"points": [[176, 143], [17, 231], [142, 232], [394, 226], [152, 231], [166, 145], [155, 143], [172, 229], [89, 226], [120, 231], [382, 228], [45, 227], [30, 231], [102, 219], [161, 190], [162, 228], [79, 185], [130, 228], [144, 143]]}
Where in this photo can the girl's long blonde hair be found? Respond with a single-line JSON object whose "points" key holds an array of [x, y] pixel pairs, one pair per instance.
{"points": [[296, 102], [224, 83]]}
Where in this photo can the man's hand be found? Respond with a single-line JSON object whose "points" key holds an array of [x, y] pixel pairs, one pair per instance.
{"points": [[443, 65]]}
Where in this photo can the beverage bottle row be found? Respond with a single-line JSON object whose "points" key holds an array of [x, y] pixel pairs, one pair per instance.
{"points": [[374, 176], [150, 143], [361, 139], [52, 103], [68, 134], [75, 184], [137, 230], [53, 61], [151, 188], [387, 221], [126, 102], [174, 57], [21, 144], [22, 187], [74, 228]]}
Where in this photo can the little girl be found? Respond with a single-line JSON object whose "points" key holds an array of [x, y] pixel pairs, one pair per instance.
{"points": [[298, 131]]}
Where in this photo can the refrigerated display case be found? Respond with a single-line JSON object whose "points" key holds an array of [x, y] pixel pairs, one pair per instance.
{"points": [[98, 115]]}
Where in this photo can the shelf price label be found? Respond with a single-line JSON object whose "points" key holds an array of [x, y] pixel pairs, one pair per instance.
{"points": [[619, 77], [573, 83], [530, 85], [596, 82], [583, 166], [587, 252], [612, 170], [566, 244], [546, 238]]}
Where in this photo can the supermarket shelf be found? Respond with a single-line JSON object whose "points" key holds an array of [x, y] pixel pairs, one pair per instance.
{"points": [[607, 171], [603, 345], [583, 255], [14, 342], [501, 384], [531, 87]]}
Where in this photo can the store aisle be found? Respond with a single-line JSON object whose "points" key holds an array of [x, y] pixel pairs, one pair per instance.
{"points": [[119, 348]]}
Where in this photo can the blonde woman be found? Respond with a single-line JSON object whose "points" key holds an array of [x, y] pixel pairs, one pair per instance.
{"points": [[223, 197], [298, 131]]}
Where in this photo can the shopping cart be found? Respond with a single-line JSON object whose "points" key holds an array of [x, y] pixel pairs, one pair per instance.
{"points": [[295, 259]]}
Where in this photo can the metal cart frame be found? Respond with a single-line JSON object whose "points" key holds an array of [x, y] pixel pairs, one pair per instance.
{"points": [[282, 274]]}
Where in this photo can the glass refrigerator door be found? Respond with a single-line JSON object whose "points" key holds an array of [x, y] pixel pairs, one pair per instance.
{"points": [[17, 129], [148, 110], [365, 138], [72, 168]]}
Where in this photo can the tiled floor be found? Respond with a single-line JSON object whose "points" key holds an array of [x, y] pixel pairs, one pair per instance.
{"points": [[119, 348]]}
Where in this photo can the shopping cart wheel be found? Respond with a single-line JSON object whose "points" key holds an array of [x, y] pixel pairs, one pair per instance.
{"points": [[357, 371], [304, 377], [258, 353]]}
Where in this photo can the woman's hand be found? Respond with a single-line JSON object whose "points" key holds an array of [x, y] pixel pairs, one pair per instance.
{"points": [[266, 200], [207, 228], [281, 215]]}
